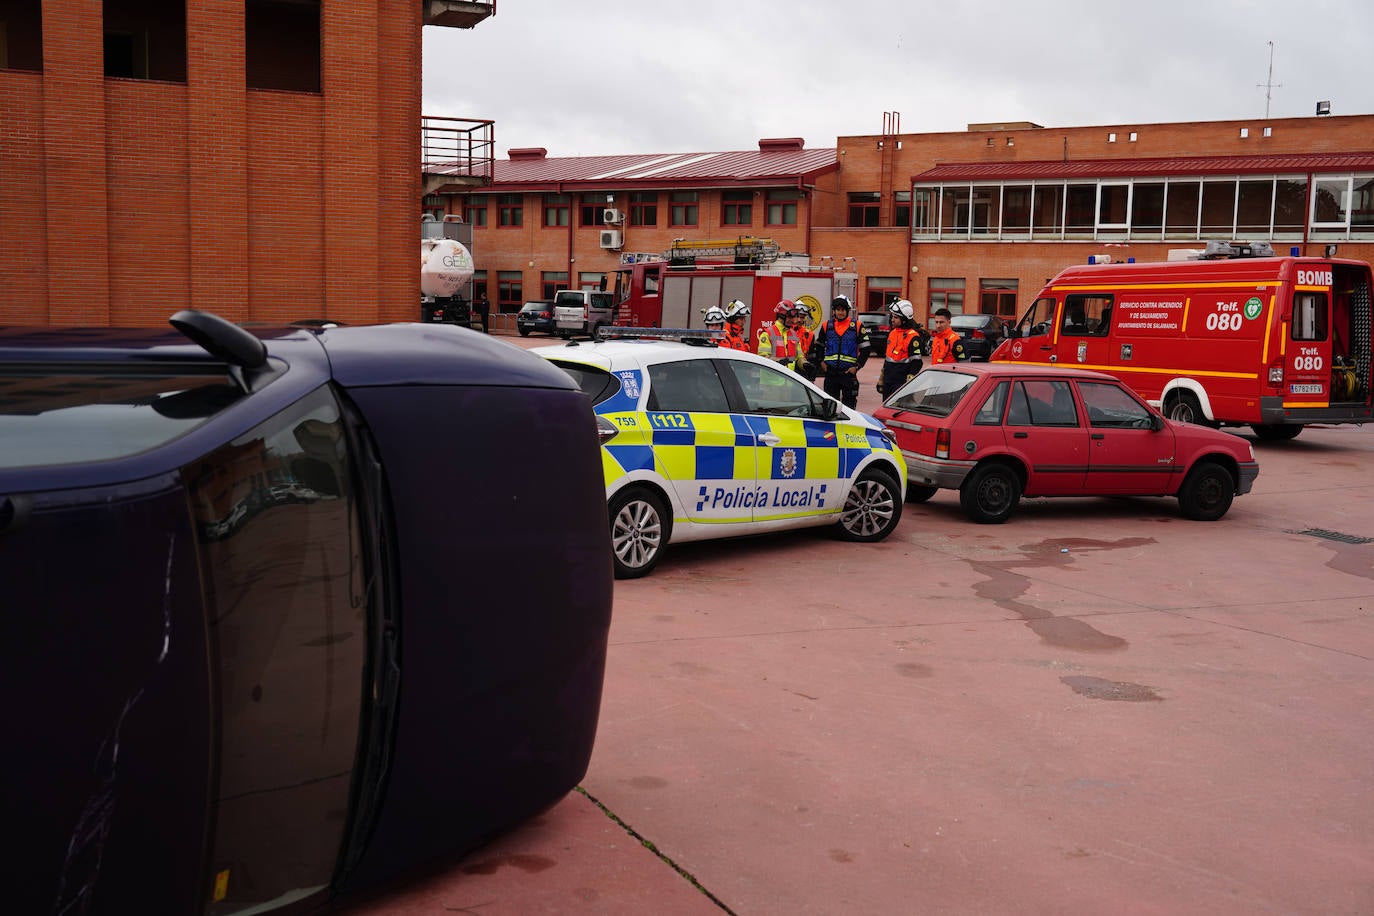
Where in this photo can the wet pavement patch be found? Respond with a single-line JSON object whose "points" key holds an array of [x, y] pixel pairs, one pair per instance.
{"points": [[1096, 688]]}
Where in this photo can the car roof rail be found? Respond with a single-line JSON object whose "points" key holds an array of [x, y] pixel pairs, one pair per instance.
{"points": [[698, 336]]}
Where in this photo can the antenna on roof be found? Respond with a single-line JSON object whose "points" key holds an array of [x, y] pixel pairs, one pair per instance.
{"points": [[1269, 85]]}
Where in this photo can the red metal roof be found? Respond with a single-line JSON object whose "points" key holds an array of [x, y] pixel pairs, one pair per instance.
{"points": [[747, 167], [1289, 163]]}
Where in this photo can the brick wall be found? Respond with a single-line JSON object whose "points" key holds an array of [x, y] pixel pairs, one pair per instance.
{"points": [[122, 201]]}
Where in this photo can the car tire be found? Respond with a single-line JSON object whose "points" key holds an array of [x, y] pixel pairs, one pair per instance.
{"points": [[919, 493], [1275, 432], [872, 509], [1207, 492], [524, 332], [1183, 407], [640, 526], [991, 493]]}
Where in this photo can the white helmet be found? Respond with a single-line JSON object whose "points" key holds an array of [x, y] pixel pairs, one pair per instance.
{"points": [[714, 315], [736, 309], [841, 302], [902, 309]]}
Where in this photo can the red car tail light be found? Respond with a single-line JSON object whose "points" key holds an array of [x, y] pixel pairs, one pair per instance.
{"points": [[942, 443], [978, 334]]}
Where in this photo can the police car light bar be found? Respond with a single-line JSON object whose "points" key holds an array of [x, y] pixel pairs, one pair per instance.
{"points": [[686, 335]]}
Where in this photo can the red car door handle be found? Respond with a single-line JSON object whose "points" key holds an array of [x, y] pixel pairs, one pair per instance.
{"points": [[1099, 436], [1020, 435]]}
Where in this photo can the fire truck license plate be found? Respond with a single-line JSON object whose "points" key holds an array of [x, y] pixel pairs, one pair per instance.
{"points": [[1307, 389]]}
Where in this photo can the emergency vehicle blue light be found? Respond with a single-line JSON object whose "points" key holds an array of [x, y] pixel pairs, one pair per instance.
{"points": [[1294, 251]]}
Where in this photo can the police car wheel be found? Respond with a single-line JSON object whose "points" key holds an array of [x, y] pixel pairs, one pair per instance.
{"points": [[873, 508], [919, 493], [1207, 492], [639, 532], [990, 494]]}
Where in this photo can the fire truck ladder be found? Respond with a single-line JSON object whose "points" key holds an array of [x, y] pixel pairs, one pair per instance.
{"points": [[744, 250]]}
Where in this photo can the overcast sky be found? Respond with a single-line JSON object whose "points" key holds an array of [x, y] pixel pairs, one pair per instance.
{"points": [[645, 76]]}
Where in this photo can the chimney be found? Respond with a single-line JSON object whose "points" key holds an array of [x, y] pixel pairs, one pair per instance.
{"points": [[528, 152]]}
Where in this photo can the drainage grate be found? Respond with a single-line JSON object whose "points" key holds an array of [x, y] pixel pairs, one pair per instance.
{"points": [[1335, 536]]}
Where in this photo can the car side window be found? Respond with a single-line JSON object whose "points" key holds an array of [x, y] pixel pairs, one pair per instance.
{"points": [[990, 414], [769, 391], [1042, 403], [687, 386], [1111, 407]]}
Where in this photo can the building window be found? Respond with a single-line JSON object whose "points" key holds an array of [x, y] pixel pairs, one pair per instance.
{"points": [[644, 208], [593, 210], [551, 281], [901, 208], [882, 292], [998, 297], [923, 210], [594, 280], [145, 39], [737, 208], [510, 290], [863, 208], [782, 207], [510, 210], [947, 293], [1244, 133], [435, 206], [1132, 136], [21, 35], [281, 45], [556, 209], [683, 209], [475, 210], [1111, 137], [1269, 131]]}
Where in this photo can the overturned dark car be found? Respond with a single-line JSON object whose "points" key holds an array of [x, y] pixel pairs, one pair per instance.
{"points": [[243, 674]]}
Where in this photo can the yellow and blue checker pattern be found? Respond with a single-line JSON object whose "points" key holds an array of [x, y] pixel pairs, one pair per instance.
{"points": [[719, 468]]}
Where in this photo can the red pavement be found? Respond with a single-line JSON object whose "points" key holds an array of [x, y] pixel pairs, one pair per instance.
{"points": [[1096, 707]]}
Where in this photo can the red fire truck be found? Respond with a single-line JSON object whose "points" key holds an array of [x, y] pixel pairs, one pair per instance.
{"points": [[1235, 337], [672, 290]]}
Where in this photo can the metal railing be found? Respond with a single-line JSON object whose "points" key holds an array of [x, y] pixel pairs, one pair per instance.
{"points": [[462, 150]]}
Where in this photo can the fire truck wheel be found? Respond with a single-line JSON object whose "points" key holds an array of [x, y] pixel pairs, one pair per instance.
{"points": [[1207, 492], [639, 531], [1183, 406], [990, 494], [918, 493], [1275, 432]]}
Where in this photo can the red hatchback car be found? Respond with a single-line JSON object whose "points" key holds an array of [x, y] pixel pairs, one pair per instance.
{"points": [[998, 431]]}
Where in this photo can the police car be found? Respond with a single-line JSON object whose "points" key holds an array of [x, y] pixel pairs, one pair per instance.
{"points": [[700, 441]]}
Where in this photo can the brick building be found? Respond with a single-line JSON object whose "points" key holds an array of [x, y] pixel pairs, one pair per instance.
{"points": [[255, 158], [975, 220]]}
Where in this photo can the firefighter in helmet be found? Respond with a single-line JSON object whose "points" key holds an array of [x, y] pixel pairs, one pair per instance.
{"points": [[801, 319], [843, 345], [905, 345], [714, 318], [777, 339], [736, 316]]}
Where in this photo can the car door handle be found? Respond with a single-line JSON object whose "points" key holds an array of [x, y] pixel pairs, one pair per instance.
{"points": [[769, 439], [1099, 436], [1020, 435]]}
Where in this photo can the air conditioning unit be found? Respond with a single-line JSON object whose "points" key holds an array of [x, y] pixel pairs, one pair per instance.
{"points": [[612, 217], [611, 238]]}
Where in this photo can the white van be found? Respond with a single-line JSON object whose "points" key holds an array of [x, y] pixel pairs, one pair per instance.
{"points": [[582, 311]]}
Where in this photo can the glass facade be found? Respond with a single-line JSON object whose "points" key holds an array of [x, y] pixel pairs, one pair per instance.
{"points": [[1279, 208]]}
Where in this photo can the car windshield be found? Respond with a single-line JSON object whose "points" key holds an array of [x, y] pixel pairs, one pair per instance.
{"points": [[935, 393], [967, 322], [534, 307], [597, 384], [53, 415]]}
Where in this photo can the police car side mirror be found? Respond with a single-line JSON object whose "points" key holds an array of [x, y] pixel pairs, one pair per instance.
{"points": [[830, 410]]}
